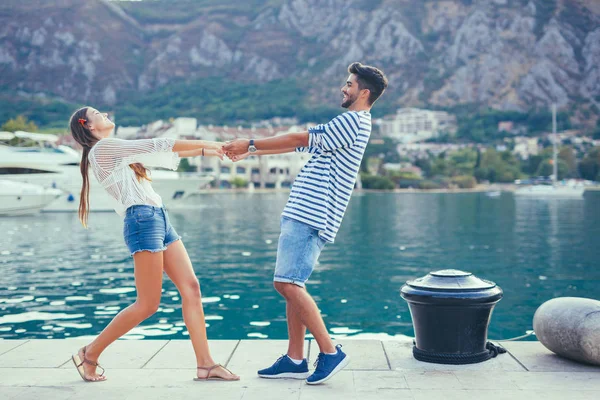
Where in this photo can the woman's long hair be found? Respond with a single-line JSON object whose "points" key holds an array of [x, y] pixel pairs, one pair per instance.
{"points": [[83, 135]]}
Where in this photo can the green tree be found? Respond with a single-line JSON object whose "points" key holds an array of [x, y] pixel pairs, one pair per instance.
{"points": [[463, 161], [405, 179], [541, 165], [425, 165], [567, 155], [428, 185], [531, 165], [546, 169], [596, 133], [589, 167], [464, 181], [497, 167], [19, 124], [439, 166], [376, 182], [239, 182], [404, 175], [184, 166], [460, 162], [481, 126]]}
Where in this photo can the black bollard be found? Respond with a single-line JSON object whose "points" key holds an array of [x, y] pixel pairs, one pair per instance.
{"points": [[451, 311]]}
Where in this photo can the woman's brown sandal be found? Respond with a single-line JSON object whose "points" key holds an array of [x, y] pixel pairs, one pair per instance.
{"points": [[214, 377], [79, 365]]}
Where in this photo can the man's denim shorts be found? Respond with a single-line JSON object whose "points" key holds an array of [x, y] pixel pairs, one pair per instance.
{"points": [[297, 252], [147, 228]]}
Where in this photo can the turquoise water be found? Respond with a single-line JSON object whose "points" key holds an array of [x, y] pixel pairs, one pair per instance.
{"points": [[59, 280]]}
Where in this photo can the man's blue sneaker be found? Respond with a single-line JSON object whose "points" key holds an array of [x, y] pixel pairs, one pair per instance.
{"points": [[284, 368], [327, 365]]}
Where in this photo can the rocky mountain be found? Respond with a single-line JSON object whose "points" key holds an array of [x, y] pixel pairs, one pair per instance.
{"points": [[506, 54]]}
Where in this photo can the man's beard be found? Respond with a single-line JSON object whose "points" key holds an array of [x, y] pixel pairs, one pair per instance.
{"points": [[349, 101]]}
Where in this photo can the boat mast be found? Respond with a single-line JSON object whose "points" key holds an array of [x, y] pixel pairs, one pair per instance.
{"points": [[555, 153]]}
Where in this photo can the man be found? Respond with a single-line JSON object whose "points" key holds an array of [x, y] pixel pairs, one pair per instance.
{"points": [[313, 214]]}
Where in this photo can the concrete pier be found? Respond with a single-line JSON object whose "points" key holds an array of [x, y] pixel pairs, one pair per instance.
{"points": [[382, 370]]}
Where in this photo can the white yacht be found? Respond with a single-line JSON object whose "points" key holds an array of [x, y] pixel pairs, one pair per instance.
{"points": [[24, 198], [39, 160], [570, 189], [556, 190]]}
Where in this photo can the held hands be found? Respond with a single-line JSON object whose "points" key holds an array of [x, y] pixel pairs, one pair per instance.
{"points": [[237, 148], [240, 157]]}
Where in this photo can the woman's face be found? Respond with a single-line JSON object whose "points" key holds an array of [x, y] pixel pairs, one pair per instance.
{"points": [[99, 123]]}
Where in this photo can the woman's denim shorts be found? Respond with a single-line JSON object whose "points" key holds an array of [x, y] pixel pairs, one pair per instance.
{"points": [[298, 250], [147, 228]]}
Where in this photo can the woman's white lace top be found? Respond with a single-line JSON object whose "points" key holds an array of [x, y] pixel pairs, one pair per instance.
{"points": [[110, 159]]}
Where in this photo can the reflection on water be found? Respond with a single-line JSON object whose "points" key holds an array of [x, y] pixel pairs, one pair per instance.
{"points": [[60, 280]]}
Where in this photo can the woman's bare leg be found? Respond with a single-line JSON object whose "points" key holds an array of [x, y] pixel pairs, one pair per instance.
{"points": [[148, 270], [178, 267]]}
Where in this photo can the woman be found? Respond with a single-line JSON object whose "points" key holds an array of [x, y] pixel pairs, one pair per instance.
{"points": [[119, 165]]}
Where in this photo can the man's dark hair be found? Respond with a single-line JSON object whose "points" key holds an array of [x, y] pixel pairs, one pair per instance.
{"points": [[369, 78]]}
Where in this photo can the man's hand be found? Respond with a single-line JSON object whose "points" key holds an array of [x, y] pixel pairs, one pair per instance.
{"points": [[236, 147], [239, 157]]}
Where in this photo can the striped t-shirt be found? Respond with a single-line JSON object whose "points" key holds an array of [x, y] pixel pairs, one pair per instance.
{"points": [[322, 189]]}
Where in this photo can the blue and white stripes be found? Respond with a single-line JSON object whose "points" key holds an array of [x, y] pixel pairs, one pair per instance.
{"points": [[322, 189]]}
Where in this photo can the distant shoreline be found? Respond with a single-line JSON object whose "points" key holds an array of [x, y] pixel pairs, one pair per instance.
{"points": [[477, 189]]}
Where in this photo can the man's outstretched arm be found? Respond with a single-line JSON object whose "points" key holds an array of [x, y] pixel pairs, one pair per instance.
{"points": [[286, 142]]}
